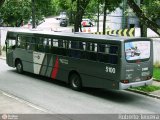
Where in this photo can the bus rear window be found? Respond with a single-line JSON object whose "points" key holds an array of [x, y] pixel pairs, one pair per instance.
{"points": [[137, 50]]}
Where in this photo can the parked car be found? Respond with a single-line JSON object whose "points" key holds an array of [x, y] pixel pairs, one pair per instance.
{"points": [[63, 22], [63, 15], [86, 23]]}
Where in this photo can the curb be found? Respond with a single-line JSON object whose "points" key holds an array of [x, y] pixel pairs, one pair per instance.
{"points": [[144, 93], [3, 58], [156, 80]]}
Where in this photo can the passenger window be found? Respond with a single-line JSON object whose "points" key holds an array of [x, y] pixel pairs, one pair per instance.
{"points": [[40, 44], [55, 43], [113, 50], [22, 42], [91, 47], [108, 53]]}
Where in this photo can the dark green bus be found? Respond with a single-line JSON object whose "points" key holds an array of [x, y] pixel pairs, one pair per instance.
{"points": [[82, 60]]}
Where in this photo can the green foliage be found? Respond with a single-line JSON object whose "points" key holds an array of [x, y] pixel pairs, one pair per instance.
{"points": [[149, 88], [151, 8], [62, 5], [156, 73], [1, 2], [44, 7], [13, 11]]}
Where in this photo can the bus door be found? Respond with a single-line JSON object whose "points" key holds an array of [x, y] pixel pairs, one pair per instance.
{"points": [[10, 46]]}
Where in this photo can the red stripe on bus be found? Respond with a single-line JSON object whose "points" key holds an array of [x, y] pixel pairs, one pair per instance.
{"points": [[55, 69]]}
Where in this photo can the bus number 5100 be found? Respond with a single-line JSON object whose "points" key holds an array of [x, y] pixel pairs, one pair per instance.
{"points": [[110, 70]]}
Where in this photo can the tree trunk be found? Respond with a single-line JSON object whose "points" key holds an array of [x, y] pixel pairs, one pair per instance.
{"points": [[33, 14], [143, 19], [98, 17], [104, 18], [81, 6]]}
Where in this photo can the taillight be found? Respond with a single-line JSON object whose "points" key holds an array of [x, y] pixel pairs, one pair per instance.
{"points": [[138, 61], [125, 81], [148, 77]]}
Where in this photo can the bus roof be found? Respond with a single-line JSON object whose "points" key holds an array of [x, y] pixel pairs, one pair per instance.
{"points": [[73, 35]]}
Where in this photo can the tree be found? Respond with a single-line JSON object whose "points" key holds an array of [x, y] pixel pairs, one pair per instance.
{"points": [[1, 2], [143, 18], [151, 8], [81, 6], [14, 12]]}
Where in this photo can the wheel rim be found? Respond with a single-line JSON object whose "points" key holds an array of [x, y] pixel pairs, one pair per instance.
{"points": [[75, 82], [19, 67]]}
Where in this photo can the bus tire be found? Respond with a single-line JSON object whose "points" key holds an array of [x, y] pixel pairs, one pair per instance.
{"points": [[75, 82], [19, 66]]}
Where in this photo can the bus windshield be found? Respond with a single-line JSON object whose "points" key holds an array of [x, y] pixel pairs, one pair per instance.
{"points": [[137, 50]]}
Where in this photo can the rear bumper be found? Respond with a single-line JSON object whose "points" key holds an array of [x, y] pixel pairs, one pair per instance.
{"points": [[136, 84]]}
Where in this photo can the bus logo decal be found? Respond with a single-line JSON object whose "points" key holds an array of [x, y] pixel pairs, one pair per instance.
{"points": [[64, 61], [110, 70]]}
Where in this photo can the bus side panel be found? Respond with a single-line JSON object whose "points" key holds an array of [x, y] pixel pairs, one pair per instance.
{"points": [[91, 81], [96, 74], [26, 58], [65, 66], [53, 66]]}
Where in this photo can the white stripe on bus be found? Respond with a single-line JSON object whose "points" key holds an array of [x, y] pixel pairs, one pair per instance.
{"points": [[37, 59]]}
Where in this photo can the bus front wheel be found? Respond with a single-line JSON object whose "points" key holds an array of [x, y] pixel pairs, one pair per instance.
{"points": [[75, 82], [19, 66]]}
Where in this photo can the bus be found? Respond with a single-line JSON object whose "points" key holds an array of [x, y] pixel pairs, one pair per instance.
{"points": [[82, 60]]}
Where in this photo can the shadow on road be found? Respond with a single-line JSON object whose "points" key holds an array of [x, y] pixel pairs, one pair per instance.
{"points": [[120, 96]]}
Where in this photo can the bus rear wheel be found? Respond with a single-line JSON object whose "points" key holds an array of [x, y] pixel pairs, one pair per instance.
{"points": [[19, 66], [75, 82]]}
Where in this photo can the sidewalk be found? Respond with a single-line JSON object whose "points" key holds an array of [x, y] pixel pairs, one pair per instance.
{"points": [[13, 105], [156, 93], [3, 55]]}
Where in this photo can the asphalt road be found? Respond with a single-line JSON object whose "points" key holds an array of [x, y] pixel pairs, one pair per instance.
{"points": [[56, 97]]}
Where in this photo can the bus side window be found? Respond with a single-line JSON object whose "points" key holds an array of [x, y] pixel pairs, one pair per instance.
{"points": [[32, 43], [28, 42], [82, 48], [40, 45], [113, 50], [55, 43], [101, 47], [22, 42], [18, 41], [74, 44], [46, 45], [60, 43], [102, 55], [49, 44], [113, 58], [59, 47], [74, 49], [91, 51]]}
